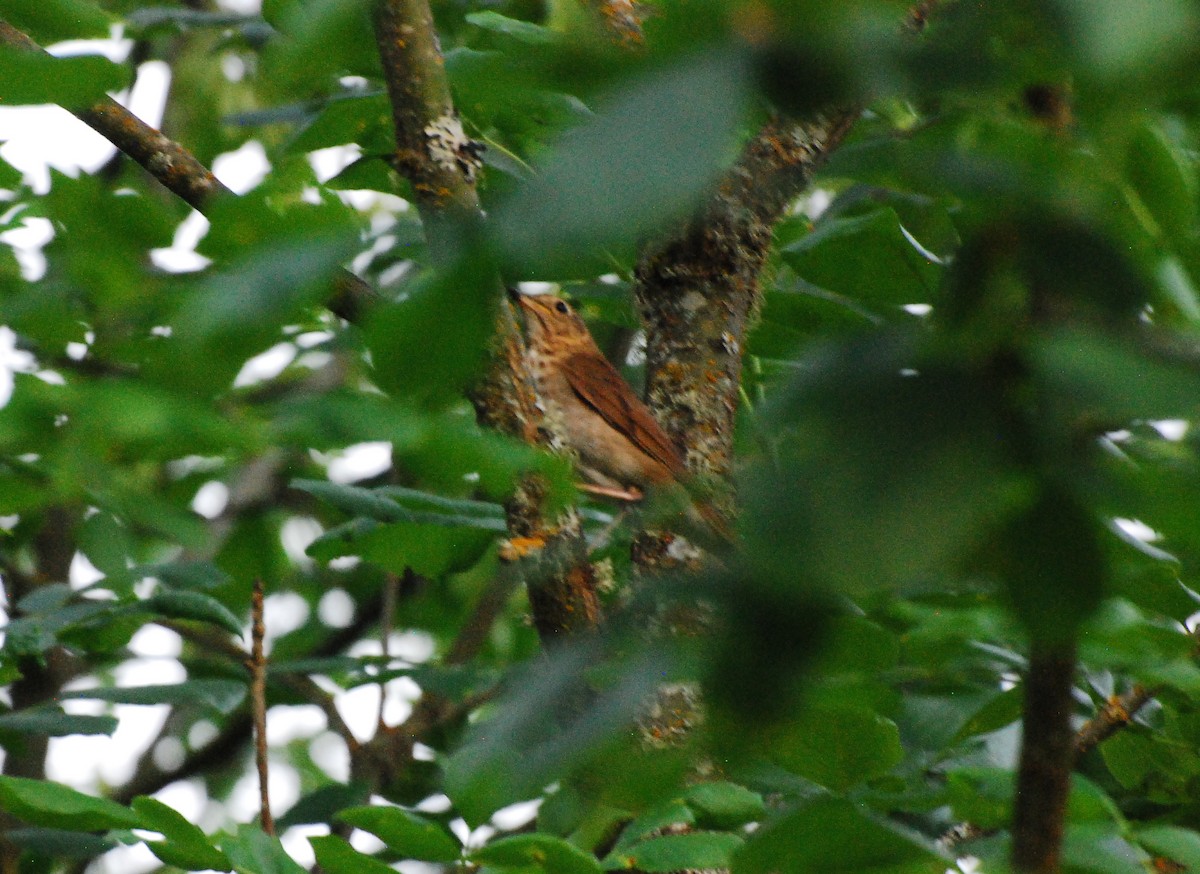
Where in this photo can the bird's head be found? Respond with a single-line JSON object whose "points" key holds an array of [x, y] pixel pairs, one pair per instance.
{"points": [[551, 323]]}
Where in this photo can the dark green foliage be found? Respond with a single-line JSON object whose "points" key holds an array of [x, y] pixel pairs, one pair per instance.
{"points": [[968, 421]]}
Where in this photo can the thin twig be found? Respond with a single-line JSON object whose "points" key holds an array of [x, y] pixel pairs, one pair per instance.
{"points": [[258, 703], [387, 612]]}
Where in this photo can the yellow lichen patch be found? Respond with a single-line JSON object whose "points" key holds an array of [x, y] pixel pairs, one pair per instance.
{"points": [[519, 547]]}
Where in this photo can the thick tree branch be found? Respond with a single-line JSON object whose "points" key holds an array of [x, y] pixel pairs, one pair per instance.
{"points": [[698, 289], [1047, 754], [432, 151], [440, 162]]}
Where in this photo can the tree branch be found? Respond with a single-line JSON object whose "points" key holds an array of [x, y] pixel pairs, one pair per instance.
{"points": [[432, 151], [440, 162], [1044, 774]]}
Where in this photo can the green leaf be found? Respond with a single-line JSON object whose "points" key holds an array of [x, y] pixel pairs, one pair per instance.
{"points": [[60, 843], [252, 850], [1147, 763], [336, 856], [722, 805], [841, 746], [836, 835], [185, 845], [50, 21], [105, 542], [396, 504], [322, 805], [1001, 710], [194, 606], [679, 852], [53, 722], [869, 257], [522, 31], [1111, 381], [317, 42], [1100, 849], [239, 311], [1165, 179], [982, 796], [185, 574], [409, 835], [45, 803], [906, 465], [674, 813], [640, 164], [537, 852], [74, 82], [221, 696], [430, 550], [363, 119], [1180, 845], [1052, 565]]}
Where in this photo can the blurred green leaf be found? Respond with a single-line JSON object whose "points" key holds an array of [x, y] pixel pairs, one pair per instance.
{"points": [[522, 31], [1000, 710], [430, 344], [724, 805], [50, 21], [1109, 381], [1164, 177], [840, 747], [871, 257], [537, 852], [185, 845], [642, 162], [678, 852], [1052, 566], [323, 804], [836, 835], [318, 42], [219, 695], [363, 119], [335, 855], [889, 465], [1180, 845], [408, 834], [45, 803], [73, 82], [251, 849], [195, 606], [57, 842], [55, 723]]}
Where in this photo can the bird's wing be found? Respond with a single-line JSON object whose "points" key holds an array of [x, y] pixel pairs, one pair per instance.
{"points": [[598, 385]]}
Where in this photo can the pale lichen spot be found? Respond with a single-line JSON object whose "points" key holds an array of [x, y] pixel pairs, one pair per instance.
{"points": [[692, 302], [451, 148]]}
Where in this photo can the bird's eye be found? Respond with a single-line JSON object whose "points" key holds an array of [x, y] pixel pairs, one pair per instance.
{"points": [[562, 307]]}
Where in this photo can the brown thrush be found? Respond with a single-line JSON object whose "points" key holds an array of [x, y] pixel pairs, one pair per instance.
{"points": [[621, 448]]}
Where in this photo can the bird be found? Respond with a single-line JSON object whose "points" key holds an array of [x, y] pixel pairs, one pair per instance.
{"points": [[622, 450]]}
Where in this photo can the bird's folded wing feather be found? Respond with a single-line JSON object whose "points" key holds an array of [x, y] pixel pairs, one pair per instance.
{"points": [[598, 385]]}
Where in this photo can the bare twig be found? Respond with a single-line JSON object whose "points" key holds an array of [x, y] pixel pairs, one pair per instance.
{"points": [[1116, 713], [257, 666], [387, 614]]}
